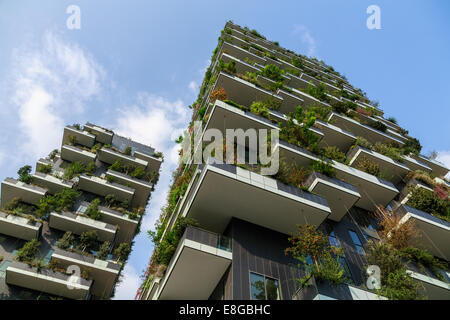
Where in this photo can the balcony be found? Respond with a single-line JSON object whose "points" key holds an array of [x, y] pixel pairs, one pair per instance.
{"points": [[101, 135], [240, 53], [309, 100], [201, 259], [405, 194], [326, 291], [290, 101], [28, 193], [439, 169], [153, 163], [103, 273], [141, 188], [103, 188], [19, 227], [241, 66], [52, 282], [372, 190], [362, 130], [110, 156], [252, 197], [392, 170], [414, 165], [433, 288], [436, 232], [74, 154], [340, 195], [67, 221], [51, 183], [243, 92], [126, 226], [81, 137], [335, 136]]}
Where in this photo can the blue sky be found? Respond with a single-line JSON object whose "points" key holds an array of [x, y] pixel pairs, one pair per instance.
{"points": [[135, 66]]}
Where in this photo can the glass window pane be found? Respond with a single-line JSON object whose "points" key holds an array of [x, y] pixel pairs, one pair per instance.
{"points": [[360, 250], [257, 286], [273, 290], [334, 241], [355, 238]]}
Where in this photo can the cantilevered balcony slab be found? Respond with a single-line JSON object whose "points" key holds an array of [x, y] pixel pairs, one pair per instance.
{"points": [[103, 273], [28, 193], [109, 156], [52, 282], [51, 183], [81, 137], [153, 162], [252, 197], [126, 226], [195, 269], [297, 82], [309, 100], [392, 170], [103, 188], [435, 231], [74, 154], [244, 92], [438, 169], [241, 53], [335, 136], [101, 135], [414, 165], [67, 221], [290, 101], [19, 227], [433, 288], [294, 155], [388, 123], [374, 191], [340, 195], [362, 130], [141, 188], [242, 67]]}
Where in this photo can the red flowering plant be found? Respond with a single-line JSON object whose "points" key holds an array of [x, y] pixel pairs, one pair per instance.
{"points": [[441, 193], [310, 242], [220, 94]]}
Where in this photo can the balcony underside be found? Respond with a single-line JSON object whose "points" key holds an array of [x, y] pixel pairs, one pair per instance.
{"points": [[12, 188], [19, 227], [433, 289], [335, 136], [74, 154]]}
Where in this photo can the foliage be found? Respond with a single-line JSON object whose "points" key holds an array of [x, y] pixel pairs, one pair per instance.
{"points": [[400, 286], [127, 151], [24, 174], [260, 108], [103, 251], [297, 62], [378, 125], [90, 168], [389, 151], [412, 145], [219, 93], [66, 240], [92, 210], [318, 91], [28, 252], [333, 152], [398, 234], [329, 269], [122, 251], [343, 107], [229, 67], [272, 72], [256, 34], [421, 176], [368, 166], [429, 202], [88, 240], [392, 119], [74, 169], [52, 154], [44, 168], [292, 174], [59, 201], [324, 167]]}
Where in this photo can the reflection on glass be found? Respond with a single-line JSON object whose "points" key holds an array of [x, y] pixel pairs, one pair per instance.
{"points": [[273, 290], [257, 287]]}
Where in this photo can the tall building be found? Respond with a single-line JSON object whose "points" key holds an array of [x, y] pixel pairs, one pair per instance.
{"points": [[66, 230], [225, 229]]}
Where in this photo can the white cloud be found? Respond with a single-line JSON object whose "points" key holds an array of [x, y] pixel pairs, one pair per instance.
{"points": [[444, 157], [127, 288], [193, 86], [51, 82], [306, 38]]}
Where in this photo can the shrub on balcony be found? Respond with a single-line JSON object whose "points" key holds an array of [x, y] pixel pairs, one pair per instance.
{"points": [[260, 108], [138, 173], [92, 210], [389, 151], [324, 167], [229, 67], [429, 202], [426, 260], [380, 126], [74, 169], [24, 174], [272, 72], [28, 252], [319, 92], [392, 119], [52, 154], [127, 151], [257, 34], [44, 168], [292, 71], [66, 241], [333, 152], [297, 62], [122, 252], [63, 200], [368, 166], [292, 174], [90, 168], [412, 145], [219, 93], [88, 240], [342, 107], [103, 251]]}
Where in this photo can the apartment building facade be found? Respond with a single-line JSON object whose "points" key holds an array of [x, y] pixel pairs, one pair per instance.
{"points": [[236, 248], [66, 230]]}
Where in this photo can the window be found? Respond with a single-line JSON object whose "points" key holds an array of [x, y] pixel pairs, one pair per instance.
{"points": [[356, 241], [264, 288], [333, 240], [344, 265]]}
